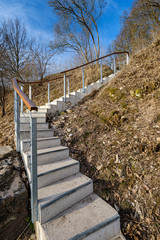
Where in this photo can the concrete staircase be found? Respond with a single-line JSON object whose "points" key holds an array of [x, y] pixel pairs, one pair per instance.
{"points": [[68, 208]]}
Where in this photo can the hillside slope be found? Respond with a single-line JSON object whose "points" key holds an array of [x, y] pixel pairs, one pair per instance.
{"points": [[115, 133]]}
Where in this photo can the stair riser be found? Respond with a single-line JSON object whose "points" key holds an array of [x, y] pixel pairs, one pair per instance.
{"points": [[26, 119], [64, 203], [90, 88], [57, 175], [97, 85], [24, 126], [52, 157], [41, 144], [40, 134], [106, 232]]}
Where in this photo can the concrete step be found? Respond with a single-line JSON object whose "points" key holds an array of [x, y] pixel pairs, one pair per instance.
{"points": [[57, 197], [90, 219], [49, 155], [41, 143], [27, 119], [41, 133], [53, 172], [46, 110], [26, 126], [34, 114]]}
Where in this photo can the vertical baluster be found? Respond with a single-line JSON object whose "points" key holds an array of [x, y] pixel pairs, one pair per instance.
{"points": [[127, 59], [30, 92], [101, 73], [64, 99], [48, 92], [68, 86], [83, 87], [17, 122], [34, 186], [21, 101]]}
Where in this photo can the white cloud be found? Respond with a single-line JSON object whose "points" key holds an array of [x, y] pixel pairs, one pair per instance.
{"points": [[28, 14]]}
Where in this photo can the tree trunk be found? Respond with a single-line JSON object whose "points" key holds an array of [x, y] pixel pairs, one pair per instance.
{"points": [[2, 95]]}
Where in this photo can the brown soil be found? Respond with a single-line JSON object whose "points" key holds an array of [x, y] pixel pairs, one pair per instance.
{"points": [[115, 134]]}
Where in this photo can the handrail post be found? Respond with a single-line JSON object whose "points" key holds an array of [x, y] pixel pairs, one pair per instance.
{"points": [[64, 99], [114, 66], [48, 92], [101, 73], [127, 60], [68, 85], [83, 90], [34, 185], [17, 120], [30, 92], [21, 101]]}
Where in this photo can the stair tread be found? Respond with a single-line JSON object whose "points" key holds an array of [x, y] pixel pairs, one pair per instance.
{"points": [[84, 218], [48, 150], [27, 113], [63, 187], [43, 129], [42, 169], [41, 139]]}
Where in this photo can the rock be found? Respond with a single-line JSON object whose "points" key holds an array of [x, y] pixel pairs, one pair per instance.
{"points": [[32, 237], [132, 93], [70, 135], [69, 111], [13, 200], [69, 130], [4, 151], [99, 167]]}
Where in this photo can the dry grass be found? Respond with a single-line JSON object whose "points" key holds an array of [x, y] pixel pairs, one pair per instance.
{"points": [[116, 137]]}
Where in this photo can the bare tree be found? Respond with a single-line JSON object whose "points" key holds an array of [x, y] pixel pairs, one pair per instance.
{"points": [[77, 27], [41, 57], [14, 40], [3, 78]]}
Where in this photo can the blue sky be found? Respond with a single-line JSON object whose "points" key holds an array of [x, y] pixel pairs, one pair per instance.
{"points": [[39, 18]]}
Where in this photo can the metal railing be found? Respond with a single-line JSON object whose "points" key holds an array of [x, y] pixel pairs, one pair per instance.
{"points": [[20, 97], [19, 94], [114, 64], [101, 66]]}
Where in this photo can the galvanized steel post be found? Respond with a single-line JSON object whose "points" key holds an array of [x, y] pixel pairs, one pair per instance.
{"points": [[83, 90], [48, 92], [127, 59], [34, 185], [17, 122], [68, 86], [21, 101], [64, 99], [101, 73], [30, 92]]}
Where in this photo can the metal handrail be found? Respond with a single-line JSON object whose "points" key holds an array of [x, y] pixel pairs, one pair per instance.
{"points": [[85, 64], [47, 80], [30, 105]]}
